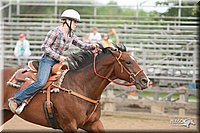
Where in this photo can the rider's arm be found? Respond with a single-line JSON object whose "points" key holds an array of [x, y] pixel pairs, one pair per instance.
{"points": [[80, 44]]}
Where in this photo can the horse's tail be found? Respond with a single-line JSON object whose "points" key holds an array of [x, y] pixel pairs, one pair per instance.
{"points": [[7, 92]]}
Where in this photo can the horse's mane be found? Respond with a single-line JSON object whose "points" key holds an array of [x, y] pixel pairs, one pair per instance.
{"points": [[86, 57]]}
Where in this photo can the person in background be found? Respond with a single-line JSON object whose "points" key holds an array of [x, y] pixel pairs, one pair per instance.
{"points": [[86, 38], [113, 36], [22, 50], [106, 42], [95, 36]]}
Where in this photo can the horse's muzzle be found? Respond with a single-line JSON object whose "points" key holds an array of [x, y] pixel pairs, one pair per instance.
{"points": [[143, 83]]}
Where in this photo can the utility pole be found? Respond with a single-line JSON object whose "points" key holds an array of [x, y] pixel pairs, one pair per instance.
{"points": [[56, 8], [179, 12], [18, 7]]}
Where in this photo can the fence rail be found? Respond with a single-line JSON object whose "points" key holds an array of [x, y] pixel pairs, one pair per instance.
{"points": [[182, 104]]}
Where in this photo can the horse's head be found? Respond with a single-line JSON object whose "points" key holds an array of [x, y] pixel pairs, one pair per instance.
{"points": [[110, 64], [126, 68]]}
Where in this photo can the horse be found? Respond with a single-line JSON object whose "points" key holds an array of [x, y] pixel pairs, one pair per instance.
{"points": [[88, 75]]}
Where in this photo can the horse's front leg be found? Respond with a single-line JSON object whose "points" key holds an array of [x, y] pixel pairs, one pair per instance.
{"points": [[7, 115], [94, 127], [68, 129], [67, 126]]}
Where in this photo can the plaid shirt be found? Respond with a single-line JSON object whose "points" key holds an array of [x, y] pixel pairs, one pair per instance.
{"points": [[55, 43]]}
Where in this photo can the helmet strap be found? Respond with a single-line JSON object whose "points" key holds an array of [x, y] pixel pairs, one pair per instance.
{"points": [[69, 26]]}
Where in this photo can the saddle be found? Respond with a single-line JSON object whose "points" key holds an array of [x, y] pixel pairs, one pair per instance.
{"points": [[23, 77]]}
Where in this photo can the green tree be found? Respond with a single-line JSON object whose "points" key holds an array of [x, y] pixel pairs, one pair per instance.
{"points": [[109, 10], [185, 12]]}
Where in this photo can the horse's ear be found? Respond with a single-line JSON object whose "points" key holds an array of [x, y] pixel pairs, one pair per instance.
{"points": [[121, 47], [108, 50], [100, 45]]}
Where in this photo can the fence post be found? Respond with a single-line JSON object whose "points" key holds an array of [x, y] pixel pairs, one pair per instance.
{"points": [[109, 104], [156, 95], [157, 108], [169, 98], [182, 99]]}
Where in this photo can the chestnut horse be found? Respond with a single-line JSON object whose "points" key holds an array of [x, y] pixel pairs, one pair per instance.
{"points": [[88, 76]]}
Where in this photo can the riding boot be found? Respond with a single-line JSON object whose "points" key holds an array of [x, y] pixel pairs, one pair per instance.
{"points": [[12, 104]]}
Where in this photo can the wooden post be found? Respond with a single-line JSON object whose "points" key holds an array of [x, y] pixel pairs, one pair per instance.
{"points": [[157, 108], [182, 99], [169, 98], [139, 94], [156, 95], [109, 105]]}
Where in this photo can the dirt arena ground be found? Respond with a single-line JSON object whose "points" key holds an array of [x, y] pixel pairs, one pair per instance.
{"points": [[122, 123]]}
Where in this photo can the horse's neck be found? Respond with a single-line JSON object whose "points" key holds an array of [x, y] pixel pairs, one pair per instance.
{"points": [[88, 83]]}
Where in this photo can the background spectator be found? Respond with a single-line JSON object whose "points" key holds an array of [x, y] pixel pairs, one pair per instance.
{"points": [[22, 50], [113, 36], [94, 36], [106, 42], [86, 38]]}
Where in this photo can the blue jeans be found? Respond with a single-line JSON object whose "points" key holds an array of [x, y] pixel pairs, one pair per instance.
{"points": [[45, 66]]}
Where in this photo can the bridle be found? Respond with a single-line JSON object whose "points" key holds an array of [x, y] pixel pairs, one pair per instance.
{"points": [[131, 74]]}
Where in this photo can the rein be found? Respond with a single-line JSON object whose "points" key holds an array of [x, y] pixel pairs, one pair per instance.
{"points": [[132, 75]]}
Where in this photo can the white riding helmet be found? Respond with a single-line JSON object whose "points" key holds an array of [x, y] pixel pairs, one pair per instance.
{"points": [[71, 14]]}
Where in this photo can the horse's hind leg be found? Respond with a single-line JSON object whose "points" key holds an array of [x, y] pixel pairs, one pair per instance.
{"points": [[95, 127], [7, 115]]}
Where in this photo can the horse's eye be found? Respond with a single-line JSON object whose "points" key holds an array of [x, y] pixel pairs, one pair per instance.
{"points": [[128, 62]]}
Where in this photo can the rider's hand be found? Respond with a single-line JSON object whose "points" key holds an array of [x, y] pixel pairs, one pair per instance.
{"points": [[62, 58], [95, 45]]}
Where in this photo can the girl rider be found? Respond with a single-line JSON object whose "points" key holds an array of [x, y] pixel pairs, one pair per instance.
{"points": [[56, 41]]}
